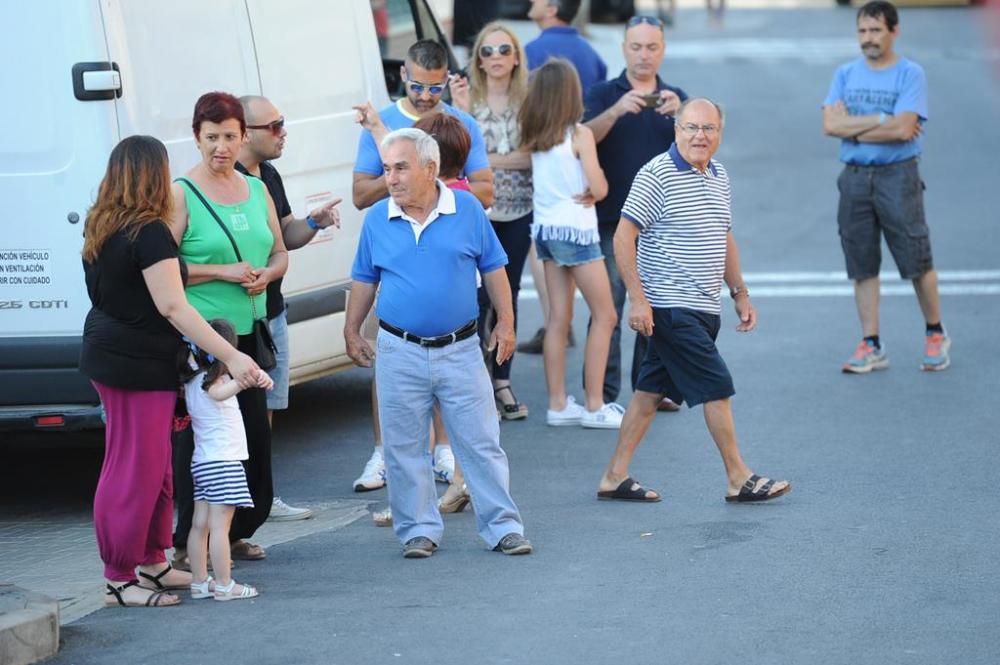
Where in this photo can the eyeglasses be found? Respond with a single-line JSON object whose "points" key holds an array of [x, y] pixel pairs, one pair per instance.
{"points": [[690, 129], [648, 20], [419, 88], [275, 127], [486, 50]]}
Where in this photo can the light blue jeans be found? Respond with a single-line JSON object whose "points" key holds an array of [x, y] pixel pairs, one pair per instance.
{"points": [[409, 377]]}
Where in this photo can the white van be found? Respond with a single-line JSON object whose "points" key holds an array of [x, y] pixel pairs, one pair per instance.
{"points": [[83, 74]]}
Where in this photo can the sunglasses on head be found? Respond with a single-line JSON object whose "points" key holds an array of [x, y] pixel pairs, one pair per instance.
{"points": [[275, 127], [486, 50], [648, 20]]}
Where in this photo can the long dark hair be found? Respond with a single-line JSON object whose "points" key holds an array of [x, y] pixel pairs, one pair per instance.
{"points": [[553, 105], [203, 360], [135, 191]]}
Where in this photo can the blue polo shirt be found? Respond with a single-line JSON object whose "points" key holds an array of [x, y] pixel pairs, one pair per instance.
{"points": [[633, 140], [428, 281], [394, 117], [566, 42]]}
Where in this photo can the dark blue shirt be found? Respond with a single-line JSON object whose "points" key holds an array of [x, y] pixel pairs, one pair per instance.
{"points": [[428, 284], [566, 42], [633, 140]]}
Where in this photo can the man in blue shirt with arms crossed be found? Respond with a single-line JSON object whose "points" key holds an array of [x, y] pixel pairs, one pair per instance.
{"points": [[424, 245], [877, 105]]}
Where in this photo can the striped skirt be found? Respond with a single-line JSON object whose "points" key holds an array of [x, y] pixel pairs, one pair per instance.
{"points": [[223, 482]]}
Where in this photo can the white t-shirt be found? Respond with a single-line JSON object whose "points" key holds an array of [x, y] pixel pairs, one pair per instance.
{"points": [[218, 426]]}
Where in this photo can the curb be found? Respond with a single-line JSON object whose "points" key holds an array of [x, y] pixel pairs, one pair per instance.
{"points": [[29, 626]]}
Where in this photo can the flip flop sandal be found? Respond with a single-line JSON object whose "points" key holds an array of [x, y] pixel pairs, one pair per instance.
{"points": [[515, 411], [155, 599], [750, 493], [624, 492], [157, 585]]}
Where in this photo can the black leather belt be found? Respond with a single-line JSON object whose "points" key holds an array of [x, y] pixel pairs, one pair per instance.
{"points": [[466, 331]]}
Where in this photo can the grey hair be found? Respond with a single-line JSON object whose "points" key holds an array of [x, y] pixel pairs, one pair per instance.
{"points": [[427, 147], [691, 100]]}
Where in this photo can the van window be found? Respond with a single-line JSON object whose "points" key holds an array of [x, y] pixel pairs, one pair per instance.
{"points": [[39, 49]]}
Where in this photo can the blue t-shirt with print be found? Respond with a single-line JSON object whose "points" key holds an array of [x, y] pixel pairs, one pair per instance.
{"points": [[867, 91], [393, 117]]}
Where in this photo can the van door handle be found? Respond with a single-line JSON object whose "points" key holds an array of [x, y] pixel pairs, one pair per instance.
{"points": [[102, 81], [96, 81]]}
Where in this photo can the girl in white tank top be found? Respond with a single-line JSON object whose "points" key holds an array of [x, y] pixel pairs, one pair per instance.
{"points": [[568, 180]]}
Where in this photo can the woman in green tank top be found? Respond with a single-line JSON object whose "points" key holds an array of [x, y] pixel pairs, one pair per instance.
{"points": [[220, 286]]}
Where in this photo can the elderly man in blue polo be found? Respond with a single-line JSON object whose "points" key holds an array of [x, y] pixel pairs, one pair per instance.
{"points": [[675, 247], [424, 245]]}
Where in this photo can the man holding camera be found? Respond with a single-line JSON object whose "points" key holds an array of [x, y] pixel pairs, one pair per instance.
{"points": [[632, 118]]}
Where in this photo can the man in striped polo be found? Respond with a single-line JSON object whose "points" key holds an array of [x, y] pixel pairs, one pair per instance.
{"points": [[679, 212]]}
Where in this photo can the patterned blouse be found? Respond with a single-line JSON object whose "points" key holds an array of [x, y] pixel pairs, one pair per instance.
{"points": [[511, 187]]}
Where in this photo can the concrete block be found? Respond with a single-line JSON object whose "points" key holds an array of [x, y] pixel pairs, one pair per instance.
{"points": [[29, 626]]}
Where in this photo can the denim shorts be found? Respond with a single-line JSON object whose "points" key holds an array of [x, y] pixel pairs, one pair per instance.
{"points": [[277, 397], [567, 254], [888, 201], [681, 359]]}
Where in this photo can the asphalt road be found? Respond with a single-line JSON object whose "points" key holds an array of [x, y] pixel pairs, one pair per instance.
{"points": [[883, 553]]}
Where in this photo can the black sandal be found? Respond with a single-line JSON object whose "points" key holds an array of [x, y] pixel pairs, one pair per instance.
{"points": [[154, 600], [515, 411], [750, 493], [157, 585]]}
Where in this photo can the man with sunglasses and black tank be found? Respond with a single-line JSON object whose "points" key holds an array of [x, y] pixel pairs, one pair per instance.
{"points": [[425, 77], [632, 118], [265, 141]]}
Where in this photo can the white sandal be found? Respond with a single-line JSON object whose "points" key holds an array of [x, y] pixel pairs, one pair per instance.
{"points": [[204, 589], [224, 593]]}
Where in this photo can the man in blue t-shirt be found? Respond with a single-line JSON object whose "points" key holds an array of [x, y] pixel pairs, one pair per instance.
{"points": [[424, 245], [561, 40], [876, 106], [632, 118], [425, 75]]}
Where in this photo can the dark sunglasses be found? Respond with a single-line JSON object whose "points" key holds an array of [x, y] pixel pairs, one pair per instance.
{"points": [[275, 126], [648, 20], [486, 50]]}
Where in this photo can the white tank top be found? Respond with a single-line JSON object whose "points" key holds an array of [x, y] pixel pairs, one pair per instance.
{"points": [[558, 176], [219, 435]]}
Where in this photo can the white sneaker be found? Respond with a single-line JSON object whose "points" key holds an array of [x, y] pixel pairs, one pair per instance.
{"points": [[571, 414], [608, 416], [373, 477], [444, 464], [282, 512]]}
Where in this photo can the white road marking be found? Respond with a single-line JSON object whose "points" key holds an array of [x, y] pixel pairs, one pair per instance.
{"points": [[836, 284]]}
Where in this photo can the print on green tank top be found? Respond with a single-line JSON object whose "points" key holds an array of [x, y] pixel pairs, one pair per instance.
{"points": [[205, 243]]}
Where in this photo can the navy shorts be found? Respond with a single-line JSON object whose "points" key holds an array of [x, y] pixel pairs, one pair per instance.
{"points": [[681, 360], [888, 201]]}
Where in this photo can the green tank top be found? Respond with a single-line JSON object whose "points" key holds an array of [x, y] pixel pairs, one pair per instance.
{"points": [[204, 242]]}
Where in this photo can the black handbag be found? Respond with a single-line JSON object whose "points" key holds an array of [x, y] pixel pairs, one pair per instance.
{"points": [[264, 349]]}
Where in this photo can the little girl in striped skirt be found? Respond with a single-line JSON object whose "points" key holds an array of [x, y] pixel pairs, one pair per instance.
{"points": [[220, 483]]}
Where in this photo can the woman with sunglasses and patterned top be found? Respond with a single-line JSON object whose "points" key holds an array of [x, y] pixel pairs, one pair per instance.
{"points": [[213, 203], [493, 93]]}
